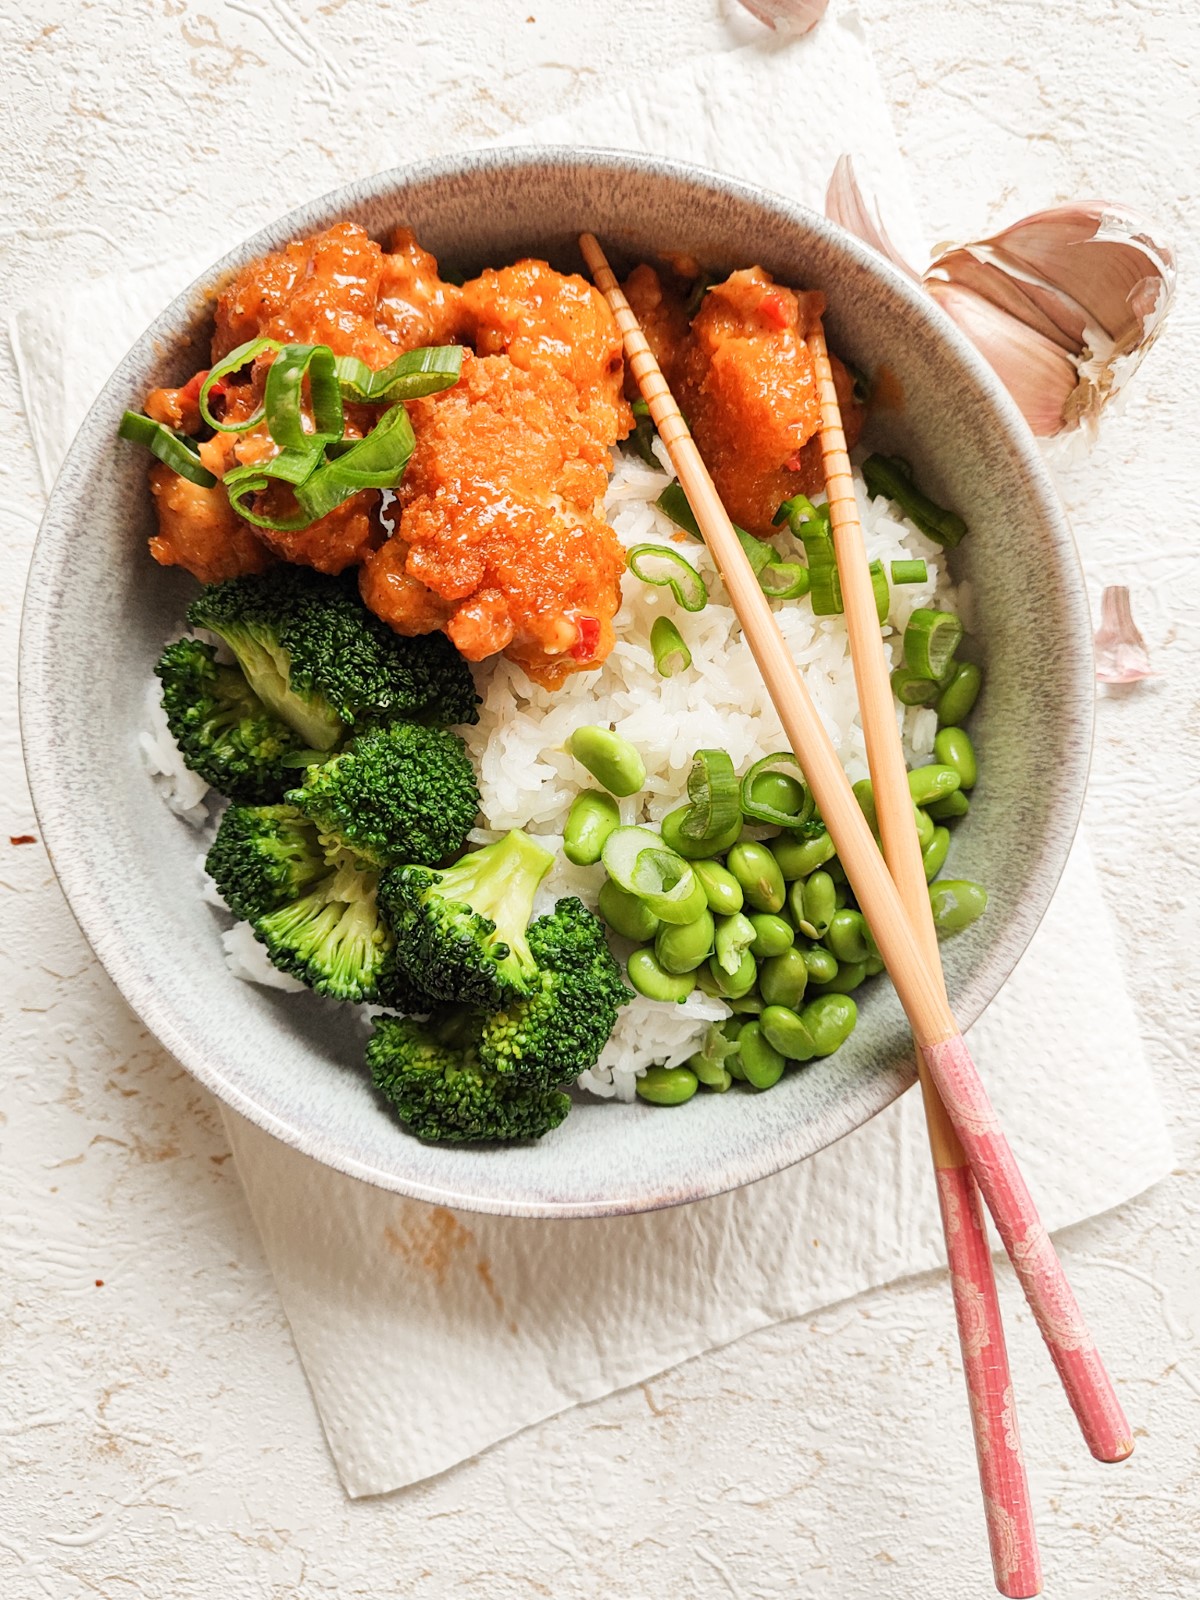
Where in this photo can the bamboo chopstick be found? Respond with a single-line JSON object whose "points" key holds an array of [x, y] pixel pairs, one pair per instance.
{"points": [[1012, 1536], [921, 993]]}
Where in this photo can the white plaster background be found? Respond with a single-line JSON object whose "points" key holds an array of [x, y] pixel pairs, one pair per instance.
{"points": [[156, 1435]]}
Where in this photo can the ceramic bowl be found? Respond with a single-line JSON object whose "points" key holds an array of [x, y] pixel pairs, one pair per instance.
{"points": [[97, 611]]}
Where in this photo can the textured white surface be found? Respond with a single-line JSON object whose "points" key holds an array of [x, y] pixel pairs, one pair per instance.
{"points": [[156, 1436], [371, 1285]]}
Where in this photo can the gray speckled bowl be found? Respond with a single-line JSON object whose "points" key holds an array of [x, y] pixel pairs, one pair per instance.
{"points": [[97, 610]]}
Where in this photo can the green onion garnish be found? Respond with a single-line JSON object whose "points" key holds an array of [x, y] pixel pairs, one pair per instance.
{"points": [[234, 362], [930, 641], [672, 502], [883, 595], [891, 477], [712, 788], [909, 572], [760, 810], [284, 398], [671, 654], [171, 448], [644, 433], [411, 376], [696, 298], [664, 568], [913, 690], [784, 580]]}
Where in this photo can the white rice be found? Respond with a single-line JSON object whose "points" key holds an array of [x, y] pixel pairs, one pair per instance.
{"points": [[527, 780]]}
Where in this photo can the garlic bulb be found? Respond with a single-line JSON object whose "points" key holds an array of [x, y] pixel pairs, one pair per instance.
{"points": [[1063, 304], [788, 16], [1121, 654]]}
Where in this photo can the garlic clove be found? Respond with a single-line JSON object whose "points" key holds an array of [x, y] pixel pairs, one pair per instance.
{"points": [[846, 205], [1039, 375], [1121, 654], [968, 269], [788, 16]]}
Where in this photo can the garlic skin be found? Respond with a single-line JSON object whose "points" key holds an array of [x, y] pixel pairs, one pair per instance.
{"points": [[787, 16], [846, 205], [1121, 654]]}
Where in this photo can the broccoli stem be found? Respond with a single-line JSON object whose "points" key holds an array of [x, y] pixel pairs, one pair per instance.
{"points": [[500, 881]]}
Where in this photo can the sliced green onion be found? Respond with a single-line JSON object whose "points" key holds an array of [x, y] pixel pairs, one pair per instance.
{"points": [[644, 433], [891, 477], [930, 641], [696, 298], [234, 362], [637, 861], [909, 572], [664, 568], [913, 690], [171, 448], [879, 584], [416, 373], [671, 654], [674, 504], [784, 580], [284, 398], [759, 810], [289, 466], [712, 788]]}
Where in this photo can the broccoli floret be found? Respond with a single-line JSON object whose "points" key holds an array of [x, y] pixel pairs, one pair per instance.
{"points": [[401, 793], [460, 932], [318, 659], [333, 937], [559, 1029], [432, 1074], [264, 856], [223, 730]]}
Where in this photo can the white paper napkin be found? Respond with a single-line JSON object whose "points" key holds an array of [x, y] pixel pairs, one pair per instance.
{"points": [[429, 1334]]}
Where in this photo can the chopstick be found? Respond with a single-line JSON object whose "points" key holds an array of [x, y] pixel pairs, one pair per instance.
{"points": [[1012, 1536], [921, 992]]}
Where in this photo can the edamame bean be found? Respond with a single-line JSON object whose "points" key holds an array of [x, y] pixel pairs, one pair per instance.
{"points": [[732, 1029], [712, 1074], [649, 978], [830, 1019], [957, 699], [814, 903], [927, 784], [762, 1064], [934, 853], [864, 793], [841, 894], [734, 936], [733, 985], [798, 857], [783, 979], [626, 914], [758, 872], [779, 791], [874, 965], [849, 975], [591, 819], [925, 826], [846, 936], [706, 983], [784, 1028], [733, 1066], [683, 948], [611, 760], [696, 849], [821, 964], [772, 935], [836, 870], [748, 1005], [721, 889], [667, 1086], [957, 903], [953, 747], [954, 805]]}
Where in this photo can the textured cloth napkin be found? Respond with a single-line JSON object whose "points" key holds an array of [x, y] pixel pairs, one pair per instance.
{"points": [[429, 1334]]}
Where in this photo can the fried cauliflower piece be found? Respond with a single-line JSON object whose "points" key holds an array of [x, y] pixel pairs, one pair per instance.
{"points": [[198, 530]]}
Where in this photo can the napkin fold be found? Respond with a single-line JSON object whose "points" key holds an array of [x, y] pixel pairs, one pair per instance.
{"points": [[429, 1334]]}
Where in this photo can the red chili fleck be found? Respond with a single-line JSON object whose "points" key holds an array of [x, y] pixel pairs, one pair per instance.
{"points": [[22, 838], [773, 308], [584, 648], [794, 462], [190, 393], [99, 1283]]}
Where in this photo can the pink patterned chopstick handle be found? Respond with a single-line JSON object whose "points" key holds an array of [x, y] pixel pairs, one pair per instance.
{"points": [[1012, 1537], [1030, 1250]]}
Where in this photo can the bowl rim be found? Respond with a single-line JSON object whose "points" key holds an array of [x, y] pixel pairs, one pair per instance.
{"points": [[57, 822]]}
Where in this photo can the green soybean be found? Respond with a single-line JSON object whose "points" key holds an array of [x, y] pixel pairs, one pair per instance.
{"points": [[696, 849], [956, 903], [733, 985], [925, 826], [757, 870], [814, 904], [721, 889], [955, 804], [932, 783], [821, 964], [846, 936], [953, 747], [836, 870], [783, 979], [934, 853], [626, 914], [611, 760], [711, 1070], [849, 975], [864, 793], [873, 965], [761, 1063], [667, 1086], [957, 699], [796, 857], [773, 935], [784, 1028], [591, 819], [684, 947], [734, 936], [780, 792], [748, 1005], [830, 1019], [648, 977]]}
